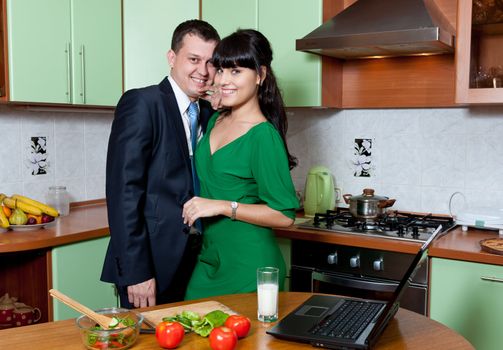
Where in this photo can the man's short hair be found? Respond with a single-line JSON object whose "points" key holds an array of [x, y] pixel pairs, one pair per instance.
{"points": [[202, 29]]}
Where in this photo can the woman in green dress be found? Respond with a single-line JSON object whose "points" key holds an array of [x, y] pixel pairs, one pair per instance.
{"points": [[243, 165]]}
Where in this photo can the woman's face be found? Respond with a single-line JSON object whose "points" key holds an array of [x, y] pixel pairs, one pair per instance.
{"points": [[238, 85]]}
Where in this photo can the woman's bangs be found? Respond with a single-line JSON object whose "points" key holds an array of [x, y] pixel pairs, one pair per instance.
{"points": [[227, 56]]}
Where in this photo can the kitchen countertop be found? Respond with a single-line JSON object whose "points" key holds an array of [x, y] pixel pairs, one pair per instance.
{"points": [[408, 330], [86, 221], [89, 220]]}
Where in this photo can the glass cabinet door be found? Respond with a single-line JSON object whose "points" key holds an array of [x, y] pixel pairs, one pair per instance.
{"points": [[479, 52]]}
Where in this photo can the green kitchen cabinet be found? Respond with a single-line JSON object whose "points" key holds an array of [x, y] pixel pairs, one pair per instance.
{"points": [[76, 271], [468, 297], [282, 22], [147, 37], [285, 246], [298, 73], [65, 51], [229, 15]]}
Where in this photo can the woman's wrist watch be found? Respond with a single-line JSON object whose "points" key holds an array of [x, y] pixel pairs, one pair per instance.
{"points": [[234, 208]]}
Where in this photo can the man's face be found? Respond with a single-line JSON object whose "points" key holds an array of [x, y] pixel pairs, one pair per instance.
{"points": [[189, 66]]}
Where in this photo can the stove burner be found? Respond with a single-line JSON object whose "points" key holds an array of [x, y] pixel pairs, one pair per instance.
{"points": [[395, 224]]}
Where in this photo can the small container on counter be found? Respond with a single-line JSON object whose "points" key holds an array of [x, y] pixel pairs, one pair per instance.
{"points": [[58, 197]]}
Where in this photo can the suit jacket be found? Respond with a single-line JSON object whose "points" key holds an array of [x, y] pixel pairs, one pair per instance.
{"points": [[148, 179]]}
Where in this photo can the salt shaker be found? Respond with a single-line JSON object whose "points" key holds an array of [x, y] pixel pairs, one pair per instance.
{"points": [[58, 197]]}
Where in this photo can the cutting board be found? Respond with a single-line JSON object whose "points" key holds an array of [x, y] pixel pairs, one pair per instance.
{"points": [[492, 245], [155, 316]]}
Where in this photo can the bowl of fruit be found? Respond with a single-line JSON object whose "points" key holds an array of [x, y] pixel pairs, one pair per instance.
{"points": [[122, 333], [21, 213]]}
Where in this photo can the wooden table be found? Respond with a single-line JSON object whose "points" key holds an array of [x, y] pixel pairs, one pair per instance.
{"points": [[407, 330]]}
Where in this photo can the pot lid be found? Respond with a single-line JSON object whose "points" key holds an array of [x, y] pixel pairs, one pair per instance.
{"points": [[368, 196]]}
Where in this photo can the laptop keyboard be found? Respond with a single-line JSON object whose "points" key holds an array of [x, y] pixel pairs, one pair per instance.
{"points": [[348, 321]]}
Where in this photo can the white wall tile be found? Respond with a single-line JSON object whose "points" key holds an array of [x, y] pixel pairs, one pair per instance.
{"points": [[484, 165], [67, 148], [70, 160], [443, 161], [96, 144], [95, 187], [421, 156]]}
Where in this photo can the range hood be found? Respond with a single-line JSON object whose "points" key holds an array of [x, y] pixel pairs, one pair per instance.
{"points": [[382, 28]]}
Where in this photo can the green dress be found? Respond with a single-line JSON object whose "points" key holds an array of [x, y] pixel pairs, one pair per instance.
{"points": [[252, 169]]}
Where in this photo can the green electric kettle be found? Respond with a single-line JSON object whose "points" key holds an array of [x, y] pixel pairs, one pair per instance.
{"points": [[319, 192]]}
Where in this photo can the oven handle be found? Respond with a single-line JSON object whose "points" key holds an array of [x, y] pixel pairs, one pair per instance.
{"points": [[350, 282]]}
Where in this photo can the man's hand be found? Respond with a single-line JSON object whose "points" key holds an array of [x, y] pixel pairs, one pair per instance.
{"points": [[142, 294]]}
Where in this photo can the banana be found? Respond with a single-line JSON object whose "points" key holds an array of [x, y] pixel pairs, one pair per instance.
{"points": [[14, 203], [4, 222], [47, 209]]}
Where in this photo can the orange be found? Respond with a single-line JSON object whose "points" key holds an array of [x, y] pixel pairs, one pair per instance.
{"points": [[38, 218], [6, 211]]}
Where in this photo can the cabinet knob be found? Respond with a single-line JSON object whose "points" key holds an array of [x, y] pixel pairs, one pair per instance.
{"points": [[332, 259], [378, 265], [354, 261]]}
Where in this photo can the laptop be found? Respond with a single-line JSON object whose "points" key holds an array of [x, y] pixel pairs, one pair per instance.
{"points": [[335, 322]]}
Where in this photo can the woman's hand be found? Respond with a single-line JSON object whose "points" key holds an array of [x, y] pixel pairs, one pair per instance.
{"points": [[199, 207]]}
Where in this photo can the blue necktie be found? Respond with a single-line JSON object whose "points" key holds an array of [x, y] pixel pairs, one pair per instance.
{"points": [[193, 113]]}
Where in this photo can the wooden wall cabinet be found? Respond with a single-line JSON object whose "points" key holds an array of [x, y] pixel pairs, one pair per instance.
{"points": [[479, 52], [398, 82]]}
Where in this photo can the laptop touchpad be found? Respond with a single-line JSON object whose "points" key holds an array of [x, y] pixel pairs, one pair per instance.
{"points": [[312, 311]]}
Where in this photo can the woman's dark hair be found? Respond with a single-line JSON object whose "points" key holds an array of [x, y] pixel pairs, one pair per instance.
{"points": [[202, 29], [249, 48]]}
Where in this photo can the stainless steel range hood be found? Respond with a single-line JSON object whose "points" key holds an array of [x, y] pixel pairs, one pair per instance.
{"points": [[382, 28]]}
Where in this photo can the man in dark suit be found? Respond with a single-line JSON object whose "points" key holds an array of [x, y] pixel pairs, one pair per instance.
{"points": [[149, 175]]}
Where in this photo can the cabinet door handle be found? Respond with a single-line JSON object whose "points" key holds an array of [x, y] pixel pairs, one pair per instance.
{"points": [[491, 279], [83, 74], [68, 53]]}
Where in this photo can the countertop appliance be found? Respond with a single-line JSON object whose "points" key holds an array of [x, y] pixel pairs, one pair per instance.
{"points": [[363, 272], [483, 218], [393, 225], [319, 192]]}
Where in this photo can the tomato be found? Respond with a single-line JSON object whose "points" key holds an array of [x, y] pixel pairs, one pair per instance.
{"points": [[241, 324], [100, 345], [169, 334], [223, 338]]}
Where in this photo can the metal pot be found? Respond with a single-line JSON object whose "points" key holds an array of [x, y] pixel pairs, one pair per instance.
{"points": [[367, 206]]}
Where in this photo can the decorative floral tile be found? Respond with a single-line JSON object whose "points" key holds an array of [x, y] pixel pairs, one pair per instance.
{"points": [[362, 160], [37, 159]]}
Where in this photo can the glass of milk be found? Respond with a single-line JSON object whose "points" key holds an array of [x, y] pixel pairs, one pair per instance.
{"points": [[267, 292]]}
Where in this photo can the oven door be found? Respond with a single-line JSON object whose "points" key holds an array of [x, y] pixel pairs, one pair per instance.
{"points": [[413, 299]]}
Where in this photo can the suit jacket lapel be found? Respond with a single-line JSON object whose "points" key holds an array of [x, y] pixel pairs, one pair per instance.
{"points": [[205, 114], [174, 118]]}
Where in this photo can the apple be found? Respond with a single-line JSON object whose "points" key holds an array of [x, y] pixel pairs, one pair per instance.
{"points": [[31, 221], [47, 218]]}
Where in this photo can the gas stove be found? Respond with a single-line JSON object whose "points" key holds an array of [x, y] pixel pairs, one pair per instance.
{"points": [[394, 224]]}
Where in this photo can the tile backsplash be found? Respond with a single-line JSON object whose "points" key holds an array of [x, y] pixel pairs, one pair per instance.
{"points": [[418, 156], [45, 148]]}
